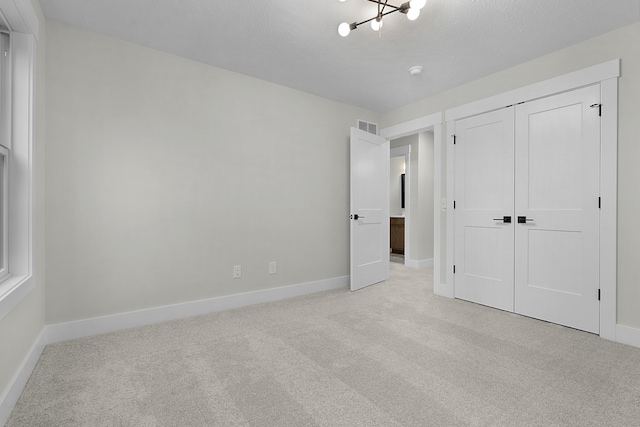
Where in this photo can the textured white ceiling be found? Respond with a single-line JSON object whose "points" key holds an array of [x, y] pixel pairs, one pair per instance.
{"points": [[295, 42]]}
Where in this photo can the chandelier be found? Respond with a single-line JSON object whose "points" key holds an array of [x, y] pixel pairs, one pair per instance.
{"points": [[411, 9]]}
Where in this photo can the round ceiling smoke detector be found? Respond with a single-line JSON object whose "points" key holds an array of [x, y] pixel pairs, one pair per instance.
{"points": [[416, 70]]}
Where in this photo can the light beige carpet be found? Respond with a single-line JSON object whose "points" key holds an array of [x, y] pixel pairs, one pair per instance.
{"points": [[389, 355]]}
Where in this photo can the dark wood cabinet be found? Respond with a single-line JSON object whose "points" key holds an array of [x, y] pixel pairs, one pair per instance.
{"points": [[397, 235]]}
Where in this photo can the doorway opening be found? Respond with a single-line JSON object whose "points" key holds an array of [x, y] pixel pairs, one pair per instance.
{"points": [[411, 224], [399, 203], [369, 200], [431, 125]]}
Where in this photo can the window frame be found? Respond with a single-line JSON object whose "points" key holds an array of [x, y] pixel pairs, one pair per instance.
{"points": [[4, 220], [5, 151], [16, 136]]}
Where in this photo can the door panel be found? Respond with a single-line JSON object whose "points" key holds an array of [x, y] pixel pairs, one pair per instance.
{"points": [[478, 261], [549, 267], [484, 170], [370, 202], [483, 253], [554, 162], [557, 188]]}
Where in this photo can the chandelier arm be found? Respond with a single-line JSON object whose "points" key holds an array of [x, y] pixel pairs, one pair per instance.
{"points": [[404, 8], [386, 4], [356, 24], [392, 11]]}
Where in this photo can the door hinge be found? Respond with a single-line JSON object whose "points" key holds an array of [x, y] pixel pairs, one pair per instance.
{"points": [[454, 269], [599, 107], [454, 139], [598, 294], [599, 202]]}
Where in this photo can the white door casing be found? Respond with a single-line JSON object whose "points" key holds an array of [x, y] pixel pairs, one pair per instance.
{"points": [[605, 75], [543, 171], [369, 209], [484, 176], [557, 191]]}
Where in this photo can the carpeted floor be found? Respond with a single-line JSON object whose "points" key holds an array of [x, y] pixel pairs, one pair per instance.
{"points": [[389, 355]]}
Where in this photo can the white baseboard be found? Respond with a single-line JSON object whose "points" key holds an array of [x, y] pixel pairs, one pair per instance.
{"points": [[443, 290], [116, 322], [9, 399], [628, 335], [100, 325], [65, 331], [419, 264]]}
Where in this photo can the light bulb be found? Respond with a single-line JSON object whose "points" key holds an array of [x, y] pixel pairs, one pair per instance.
{"points": [[376, 24], [342, 1], [344, 29], [417, 4], [413, 14]]}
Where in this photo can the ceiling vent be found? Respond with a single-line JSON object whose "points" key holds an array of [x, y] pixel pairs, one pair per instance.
{"points": [[368, 127]]}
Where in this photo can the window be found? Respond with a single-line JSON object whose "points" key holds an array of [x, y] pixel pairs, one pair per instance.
{"points": [[18, 38], [5, 143], [4, 235]]}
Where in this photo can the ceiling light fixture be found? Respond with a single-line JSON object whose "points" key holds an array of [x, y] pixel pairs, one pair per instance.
{"points": [[411, 9]]}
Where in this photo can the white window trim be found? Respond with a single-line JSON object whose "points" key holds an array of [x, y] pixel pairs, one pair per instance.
{"points": [[4, 191], [23, 23]]}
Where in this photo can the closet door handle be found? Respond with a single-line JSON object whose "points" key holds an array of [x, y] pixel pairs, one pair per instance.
{"points": [[524, 219], [505, 219]]}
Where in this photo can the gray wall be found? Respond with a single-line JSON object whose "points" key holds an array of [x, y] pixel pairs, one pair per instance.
{"points": [[622, 43], [20, 328], [425, 196], [163, 173]]}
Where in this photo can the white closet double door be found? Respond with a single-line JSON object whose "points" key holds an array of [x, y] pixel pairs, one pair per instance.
{"points": [[526, 218]]}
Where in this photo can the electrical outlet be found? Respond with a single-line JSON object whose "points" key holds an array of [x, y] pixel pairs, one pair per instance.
{"points": [[237, 271], [272, 267]]}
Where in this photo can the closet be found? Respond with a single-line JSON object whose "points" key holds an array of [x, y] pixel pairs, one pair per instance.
{"points": [[527, 199]]}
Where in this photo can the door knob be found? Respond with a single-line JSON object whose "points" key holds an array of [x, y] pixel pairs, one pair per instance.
{"points": [[524, 219], [356, 217], [505, 219]]}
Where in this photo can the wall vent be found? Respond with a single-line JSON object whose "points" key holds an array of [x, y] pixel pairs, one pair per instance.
{"points": [[368, 127]]}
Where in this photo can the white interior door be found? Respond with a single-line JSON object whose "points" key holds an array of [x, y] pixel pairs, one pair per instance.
{"points": [[369, 209], [483, 254], [557, 191]]}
